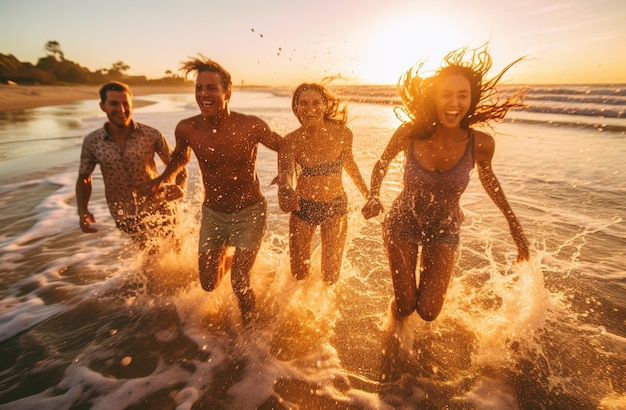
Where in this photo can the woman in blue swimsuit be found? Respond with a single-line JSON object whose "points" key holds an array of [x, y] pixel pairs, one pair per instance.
{"points": [[314, 156], [440, 148]]}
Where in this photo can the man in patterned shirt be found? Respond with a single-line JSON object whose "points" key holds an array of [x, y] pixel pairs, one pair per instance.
{"points": [[125, 151]]}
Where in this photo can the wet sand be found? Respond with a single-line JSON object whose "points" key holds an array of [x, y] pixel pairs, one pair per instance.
{"points": [[20, 97]]}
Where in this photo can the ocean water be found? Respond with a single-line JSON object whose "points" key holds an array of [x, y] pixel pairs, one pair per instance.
{"points": [[86, 323]]}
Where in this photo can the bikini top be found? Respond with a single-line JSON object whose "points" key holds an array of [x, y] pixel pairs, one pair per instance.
{"points": [[323, 169]]}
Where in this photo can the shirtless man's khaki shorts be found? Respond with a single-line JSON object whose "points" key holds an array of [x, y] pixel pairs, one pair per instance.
{"points": [[243, 229]]}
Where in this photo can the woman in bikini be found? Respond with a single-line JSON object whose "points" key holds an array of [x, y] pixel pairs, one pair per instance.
{"points": [[314, 156], [440, 147]]}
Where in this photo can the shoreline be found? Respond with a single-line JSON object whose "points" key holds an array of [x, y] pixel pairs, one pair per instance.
{"points": [[22, 97]]}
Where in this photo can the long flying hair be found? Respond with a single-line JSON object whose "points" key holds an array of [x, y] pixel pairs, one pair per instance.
{"points": [[487, 104]]}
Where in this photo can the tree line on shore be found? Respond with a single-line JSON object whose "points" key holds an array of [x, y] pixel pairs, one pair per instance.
{"points": [[54, 68]]}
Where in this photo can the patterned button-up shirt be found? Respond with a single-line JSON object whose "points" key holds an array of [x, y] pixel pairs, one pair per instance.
{"points": [[125, 172]]}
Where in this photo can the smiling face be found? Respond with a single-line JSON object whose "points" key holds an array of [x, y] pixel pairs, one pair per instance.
{"points": [[311, 107], [118, 108], [211, 96], [452, 100]]}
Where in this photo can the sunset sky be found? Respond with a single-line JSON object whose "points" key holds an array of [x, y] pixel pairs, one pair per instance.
{"points": [[285, 42]]}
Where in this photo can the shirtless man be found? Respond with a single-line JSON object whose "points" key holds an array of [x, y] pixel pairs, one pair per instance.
{"points": [[234, 210], [125, 151]]}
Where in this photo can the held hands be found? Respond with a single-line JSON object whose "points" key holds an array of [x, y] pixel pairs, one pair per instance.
{"points": [[288, 200], [85, 220], [159, 190], [372, 208], [152, 187], [172, 192]]}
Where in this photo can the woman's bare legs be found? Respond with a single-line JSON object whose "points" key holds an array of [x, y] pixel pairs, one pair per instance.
{"points": [[437, 263], [333, 233], [300, 237], [436, 269], [402, 257]]}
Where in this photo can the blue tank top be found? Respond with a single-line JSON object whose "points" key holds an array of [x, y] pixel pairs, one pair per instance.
{"points": [[434, 196]]}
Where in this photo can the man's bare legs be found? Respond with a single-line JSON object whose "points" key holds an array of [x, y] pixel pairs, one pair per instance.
{"points": [[240, 279], [214, 264]]}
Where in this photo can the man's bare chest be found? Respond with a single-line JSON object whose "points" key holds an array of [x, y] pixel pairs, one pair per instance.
{"points": [[223, 149]]}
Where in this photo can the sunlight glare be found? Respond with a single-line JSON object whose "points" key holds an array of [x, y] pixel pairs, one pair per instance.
{"points": [[402, 42]]}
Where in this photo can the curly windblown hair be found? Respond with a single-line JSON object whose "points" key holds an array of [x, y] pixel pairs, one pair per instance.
{"points": [[487, 103], [334, 111]]}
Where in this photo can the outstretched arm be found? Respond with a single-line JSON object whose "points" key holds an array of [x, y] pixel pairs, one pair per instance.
{"points": [[177, 191], [352, 168], [288, 200], [177, 161], [269, 138], [484, 149], [396, 144]]}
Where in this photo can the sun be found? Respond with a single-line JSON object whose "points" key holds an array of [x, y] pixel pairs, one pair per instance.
{"points": [[401, 42]]}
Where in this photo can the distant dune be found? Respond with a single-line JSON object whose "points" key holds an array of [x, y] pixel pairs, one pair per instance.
{"points": [[20, 97]]}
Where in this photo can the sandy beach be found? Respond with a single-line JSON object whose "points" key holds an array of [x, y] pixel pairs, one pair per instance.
{"points": [[20, 97]]}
